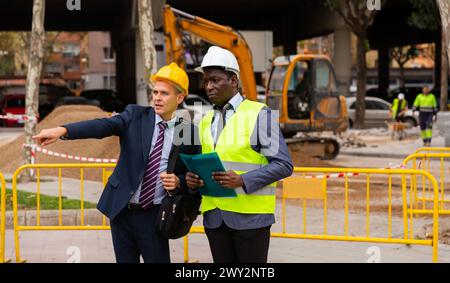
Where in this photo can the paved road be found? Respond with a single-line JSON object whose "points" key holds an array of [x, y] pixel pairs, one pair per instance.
{"points": [[96, 246]]}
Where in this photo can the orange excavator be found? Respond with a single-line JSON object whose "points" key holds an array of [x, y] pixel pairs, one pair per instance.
{"points": [[301, 87]]}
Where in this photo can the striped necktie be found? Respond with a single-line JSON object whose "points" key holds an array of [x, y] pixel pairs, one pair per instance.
{"points": [[152, 170], [222, 119]]}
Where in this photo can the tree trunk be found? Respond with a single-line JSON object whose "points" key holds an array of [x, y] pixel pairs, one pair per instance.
{"points": [[402, 75], [444, 9], [361, 84], [147, 42], [444, 78], [33, 79]]}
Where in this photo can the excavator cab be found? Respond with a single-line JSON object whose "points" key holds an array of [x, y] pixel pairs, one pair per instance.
{"points": [[303, 88]]}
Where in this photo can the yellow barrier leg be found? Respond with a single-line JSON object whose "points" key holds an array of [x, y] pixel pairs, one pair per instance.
{"points": [[3, 218], [59, 197], [405, 208], [368, 206], [435, 223], [16, 219], [325, 219], [186, 249], [283, 214], [346, 206], [38, 198], [390, 207]]}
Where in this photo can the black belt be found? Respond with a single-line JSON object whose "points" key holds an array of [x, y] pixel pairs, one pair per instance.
{"points": [[134, 206]]}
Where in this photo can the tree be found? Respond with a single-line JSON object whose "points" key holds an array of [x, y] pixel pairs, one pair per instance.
{"points": [[444, 10], [33, 79], [426, 16], [402, 55], [146, 35], [8, 42], [358, 15], [14, 50]]}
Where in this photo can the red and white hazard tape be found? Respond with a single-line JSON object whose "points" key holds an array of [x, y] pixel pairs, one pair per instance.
{"points": [[68, 156], [18, 117], [35, 148], [342, 175]]}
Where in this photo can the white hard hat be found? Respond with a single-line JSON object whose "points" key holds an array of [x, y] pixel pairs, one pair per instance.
{"points": [[219, 57], [401, 96]]}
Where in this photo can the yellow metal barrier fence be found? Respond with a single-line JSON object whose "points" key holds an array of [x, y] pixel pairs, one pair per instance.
{"points": [[2, 217], [37, 167], [436, 163], [382, 190], [433, 150]]}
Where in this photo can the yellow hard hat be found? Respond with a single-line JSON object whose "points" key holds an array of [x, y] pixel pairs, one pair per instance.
{"points": [[174, 74]]}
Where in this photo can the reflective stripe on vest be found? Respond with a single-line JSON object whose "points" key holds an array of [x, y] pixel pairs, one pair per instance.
{"points": [[234, 149], [426, 103]]}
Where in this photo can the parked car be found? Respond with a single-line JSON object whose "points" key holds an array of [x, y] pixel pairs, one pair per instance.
{"points": [[49, 94], [193, 108], [73, 100], [409, 92], [378, 113], [376, 92], [12, 104], [106, 99]]}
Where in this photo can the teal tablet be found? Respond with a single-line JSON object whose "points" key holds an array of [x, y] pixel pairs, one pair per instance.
{"points": [[204, 165]]}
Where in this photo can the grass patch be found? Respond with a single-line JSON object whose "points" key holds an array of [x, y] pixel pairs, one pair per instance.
{"points": [[27, 201]]}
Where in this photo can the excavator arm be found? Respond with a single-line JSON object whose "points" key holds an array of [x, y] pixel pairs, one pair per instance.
{"points": [[176, 22]]}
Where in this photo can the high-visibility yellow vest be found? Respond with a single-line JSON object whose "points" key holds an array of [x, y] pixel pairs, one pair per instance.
{"points": [[395, 107], [426, 103], [234, 149]]}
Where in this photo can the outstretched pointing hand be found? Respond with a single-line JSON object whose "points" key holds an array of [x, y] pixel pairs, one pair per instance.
{"points": [[48, 136]]}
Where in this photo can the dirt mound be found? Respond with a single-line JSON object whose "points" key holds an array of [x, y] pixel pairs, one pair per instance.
{"points": [[11, 153], [301, 159]]}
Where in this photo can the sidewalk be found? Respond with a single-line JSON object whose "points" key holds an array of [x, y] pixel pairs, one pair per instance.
{"points": [[96, 246], [383, 146]]}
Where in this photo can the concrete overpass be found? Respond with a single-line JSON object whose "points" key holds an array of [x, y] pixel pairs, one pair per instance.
{"points": [[290, 21]]}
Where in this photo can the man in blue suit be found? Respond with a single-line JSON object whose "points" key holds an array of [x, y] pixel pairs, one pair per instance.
{"points": [[151, 139]]}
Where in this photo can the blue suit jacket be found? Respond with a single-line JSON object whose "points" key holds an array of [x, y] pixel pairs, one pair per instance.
{"points": [[135, 127]]}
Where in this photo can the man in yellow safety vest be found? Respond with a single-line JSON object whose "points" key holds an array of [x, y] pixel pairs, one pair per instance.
{"points": [[399, 107], [248, 140], [426, 104]]}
